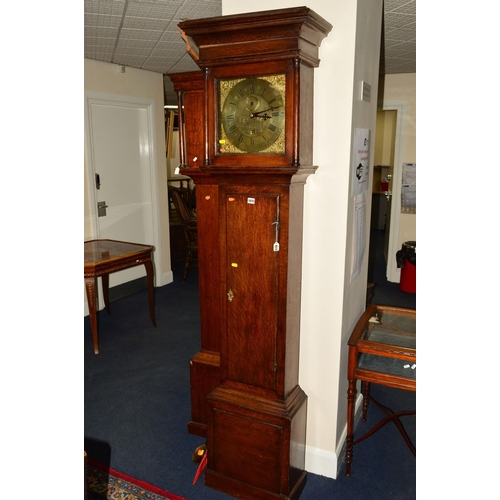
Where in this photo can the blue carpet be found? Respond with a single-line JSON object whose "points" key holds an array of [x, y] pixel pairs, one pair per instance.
{"points": [[137, 404]]}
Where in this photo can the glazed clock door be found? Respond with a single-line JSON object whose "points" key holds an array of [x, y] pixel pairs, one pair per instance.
{"points": [[252, 253]]}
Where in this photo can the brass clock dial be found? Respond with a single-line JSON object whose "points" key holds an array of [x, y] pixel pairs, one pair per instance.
{"points": [[252, 115]]}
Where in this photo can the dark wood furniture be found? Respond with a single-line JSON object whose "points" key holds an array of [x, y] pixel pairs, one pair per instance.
{"points": [[102, 257], [180, 181], [382, 350], [190, 227], [252, 206]]}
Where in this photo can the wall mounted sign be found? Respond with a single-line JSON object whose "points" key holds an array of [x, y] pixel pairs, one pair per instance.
{"points": [[361, 161], [409, 189]]}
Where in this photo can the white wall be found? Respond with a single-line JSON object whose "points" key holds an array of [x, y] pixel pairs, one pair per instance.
{"points": [[331, 305]]}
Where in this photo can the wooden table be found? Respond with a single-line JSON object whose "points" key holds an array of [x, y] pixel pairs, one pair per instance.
{"points": [[382, 350], [102, 257]]}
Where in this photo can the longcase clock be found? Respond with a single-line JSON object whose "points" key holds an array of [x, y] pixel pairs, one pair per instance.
{"points": [[257, 130]]}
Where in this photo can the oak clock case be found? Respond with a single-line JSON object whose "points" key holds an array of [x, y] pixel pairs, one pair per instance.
{"points": [[258, 117], [251, 115]]}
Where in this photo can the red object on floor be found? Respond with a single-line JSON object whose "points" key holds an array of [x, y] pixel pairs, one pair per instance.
{"points": [[201, 468], [408, 280]]}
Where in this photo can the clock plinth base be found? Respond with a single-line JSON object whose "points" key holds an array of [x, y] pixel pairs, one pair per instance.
{"points": [[256, 445]]}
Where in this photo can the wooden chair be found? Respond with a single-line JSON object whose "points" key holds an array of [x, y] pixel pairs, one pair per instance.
{"points": [[189, 224]]}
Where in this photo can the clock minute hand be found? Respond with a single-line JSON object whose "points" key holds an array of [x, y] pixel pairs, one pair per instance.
{"points": [[257, 113], [263, 117]]}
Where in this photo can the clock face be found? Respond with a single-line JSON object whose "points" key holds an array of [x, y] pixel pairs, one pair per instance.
{"points": [[252, 115]]}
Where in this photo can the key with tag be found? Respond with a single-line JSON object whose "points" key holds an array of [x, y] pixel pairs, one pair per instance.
{"points": [[276, 246]]}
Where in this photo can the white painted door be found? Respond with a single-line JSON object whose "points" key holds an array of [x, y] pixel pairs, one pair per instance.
{"points": [[121, 168]]}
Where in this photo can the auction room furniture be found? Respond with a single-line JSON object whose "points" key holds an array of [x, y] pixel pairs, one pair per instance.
{"points": [[382, 350], [190, 227], [257, 135], [102, 257], [183, 182], [183, 185]]}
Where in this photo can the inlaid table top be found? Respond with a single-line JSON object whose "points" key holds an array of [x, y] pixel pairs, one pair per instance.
{"points": [[98, 253]]}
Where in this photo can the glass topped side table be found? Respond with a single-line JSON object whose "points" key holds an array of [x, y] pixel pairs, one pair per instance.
{"points": [[382, 350]]}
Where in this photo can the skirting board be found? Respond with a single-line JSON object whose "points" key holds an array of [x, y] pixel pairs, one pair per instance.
{"points": [[166, 278], [328, 463]]}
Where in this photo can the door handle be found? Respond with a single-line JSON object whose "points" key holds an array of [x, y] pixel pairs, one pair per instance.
{"points": [[101, 208]]}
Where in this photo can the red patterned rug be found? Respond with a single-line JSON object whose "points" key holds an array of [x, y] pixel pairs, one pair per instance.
{"points": [[104, 483]]}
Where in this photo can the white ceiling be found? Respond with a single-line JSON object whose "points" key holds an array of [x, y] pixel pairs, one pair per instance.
{"points": [[144, 34]]}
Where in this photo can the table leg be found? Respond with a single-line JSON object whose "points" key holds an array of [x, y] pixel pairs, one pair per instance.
{"points": [[366, 399], [90, 286], [105, 291], [149, 272], [351, 395]]}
